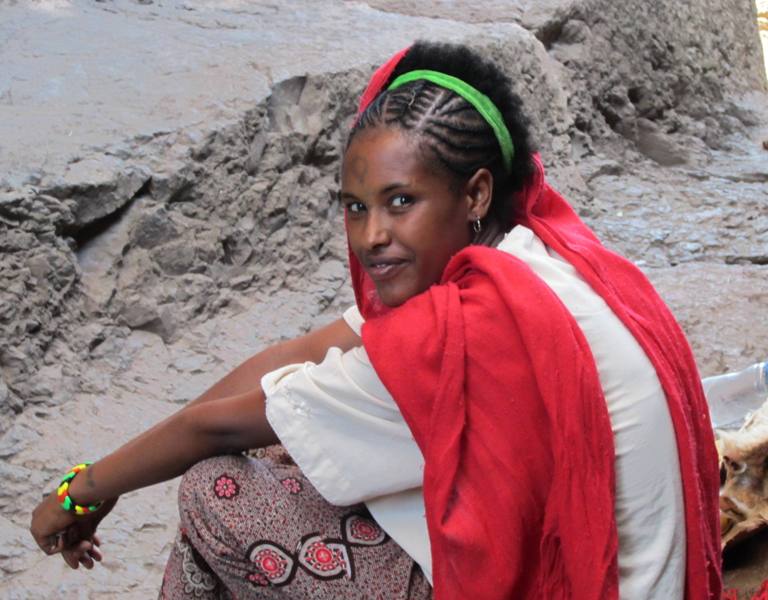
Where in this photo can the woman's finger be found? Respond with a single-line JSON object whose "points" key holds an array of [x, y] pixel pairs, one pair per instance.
{"points": [[86, 561], [53, 543], [70, 557], [46, 542], [77, 554], [95, 553], [86, 549]]}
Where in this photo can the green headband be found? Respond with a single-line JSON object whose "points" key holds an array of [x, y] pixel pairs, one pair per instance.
{"points": [[480, 101]]}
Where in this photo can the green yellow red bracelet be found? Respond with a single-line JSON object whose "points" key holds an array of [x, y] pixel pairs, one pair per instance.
{"points": [[65, 500]]}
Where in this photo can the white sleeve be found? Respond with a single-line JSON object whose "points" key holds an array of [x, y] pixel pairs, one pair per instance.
{"points": [[342, 427], [354, 319]]}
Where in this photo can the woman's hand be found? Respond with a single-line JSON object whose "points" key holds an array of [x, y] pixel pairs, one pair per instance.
{"points": [[56, 530], [80, 542], [49, 523]]}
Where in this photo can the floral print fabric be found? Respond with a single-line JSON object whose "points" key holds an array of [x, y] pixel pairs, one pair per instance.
{"points": [[256, 528]]}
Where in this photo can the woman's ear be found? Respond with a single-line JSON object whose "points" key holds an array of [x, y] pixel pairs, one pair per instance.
{"points": [[478, 193]]}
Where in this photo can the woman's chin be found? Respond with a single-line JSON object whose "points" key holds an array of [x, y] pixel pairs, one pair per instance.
{"points": [[393, 296], [392, 301]]}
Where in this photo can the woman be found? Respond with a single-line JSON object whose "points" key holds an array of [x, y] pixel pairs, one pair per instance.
{"points": [[523, 416]]}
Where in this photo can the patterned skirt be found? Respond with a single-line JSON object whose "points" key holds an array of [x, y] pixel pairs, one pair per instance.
{"points": [[256, 528]]}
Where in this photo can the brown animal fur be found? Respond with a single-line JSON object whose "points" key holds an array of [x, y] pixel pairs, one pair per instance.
{"points": [[744, 491]]}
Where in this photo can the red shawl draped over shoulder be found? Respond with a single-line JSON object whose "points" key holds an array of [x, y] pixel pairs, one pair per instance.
{"points": [[499, 388]]}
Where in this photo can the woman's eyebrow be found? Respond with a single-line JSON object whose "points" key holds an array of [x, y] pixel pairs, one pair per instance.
{"points": [[392, 186], [342, 195]]}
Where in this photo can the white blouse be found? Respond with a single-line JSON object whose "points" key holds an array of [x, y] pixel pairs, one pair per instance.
{"points": [[345, 432]]}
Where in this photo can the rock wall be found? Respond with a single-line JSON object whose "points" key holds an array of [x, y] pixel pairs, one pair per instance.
{"points": [[676, 64], [127, 238], [163, 230], [193, 220]]}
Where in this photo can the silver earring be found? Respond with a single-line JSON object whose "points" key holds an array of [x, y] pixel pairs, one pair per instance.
{"points": [[477, 226]]}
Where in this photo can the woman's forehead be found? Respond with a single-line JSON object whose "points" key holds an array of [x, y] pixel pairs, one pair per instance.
{"points": [[384, 153], [382, 149]]}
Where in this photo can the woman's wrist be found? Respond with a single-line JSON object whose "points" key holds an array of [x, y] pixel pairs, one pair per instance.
{"points": [[82, 488]]}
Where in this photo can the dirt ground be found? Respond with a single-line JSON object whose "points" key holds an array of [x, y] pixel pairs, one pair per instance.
{"points": [[697, 225]]}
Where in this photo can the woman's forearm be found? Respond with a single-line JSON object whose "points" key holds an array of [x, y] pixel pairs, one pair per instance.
{"points": [[172, 446], [228, 417]]}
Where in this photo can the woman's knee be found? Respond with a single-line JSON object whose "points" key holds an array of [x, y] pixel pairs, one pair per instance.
{"points": [[208, 477]]}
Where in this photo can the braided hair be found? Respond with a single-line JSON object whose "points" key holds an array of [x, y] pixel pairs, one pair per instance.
{"points": [[450, 128]]}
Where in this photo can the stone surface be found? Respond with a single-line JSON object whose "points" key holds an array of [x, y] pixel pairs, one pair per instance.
{"points": [[151, 228], [167, 184]]}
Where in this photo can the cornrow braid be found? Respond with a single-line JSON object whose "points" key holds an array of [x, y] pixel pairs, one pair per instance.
{"points": [[446, 124]]}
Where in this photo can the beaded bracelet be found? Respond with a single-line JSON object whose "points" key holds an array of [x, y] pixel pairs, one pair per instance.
{"points": [[65, 500]]}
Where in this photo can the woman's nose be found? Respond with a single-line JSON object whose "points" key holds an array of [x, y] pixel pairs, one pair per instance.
{"points": [[377, 229]]}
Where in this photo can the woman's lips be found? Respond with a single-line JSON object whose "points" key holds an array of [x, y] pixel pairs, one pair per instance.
{"points": [[381, 270]]}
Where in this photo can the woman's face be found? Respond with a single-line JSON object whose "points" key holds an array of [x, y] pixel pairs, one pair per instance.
{"points": [[405, 220]]}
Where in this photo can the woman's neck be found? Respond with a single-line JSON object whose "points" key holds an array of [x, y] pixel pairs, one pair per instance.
{"points": [[490, 236]]}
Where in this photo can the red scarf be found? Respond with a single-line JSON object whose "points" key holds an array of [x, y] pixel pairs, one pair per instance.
{"points": [[500, 390]]}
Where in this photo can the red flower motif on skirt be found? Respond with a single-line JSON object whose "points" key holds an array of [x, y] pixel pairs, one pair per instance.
{"points": [[325, 558], [225, 487], [363, 529], [275, 566], [291, 484], [322, 558]]}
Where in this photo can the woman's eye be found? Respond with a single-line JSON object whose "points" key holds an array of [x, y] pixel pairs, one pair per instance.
{"points": [[401, 200], [355, 207]]}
